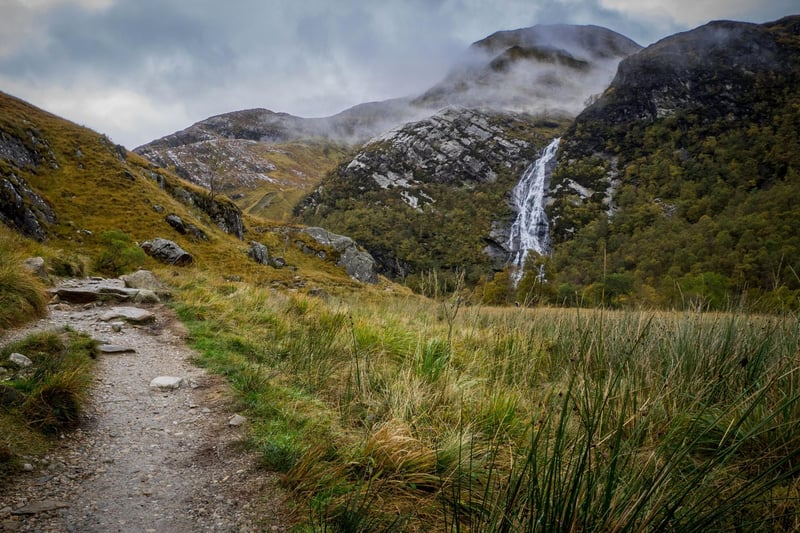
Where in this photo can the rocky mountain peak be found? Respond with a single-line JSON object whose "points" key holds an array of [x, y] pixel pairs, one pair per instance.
{"points": [[550, 69]]}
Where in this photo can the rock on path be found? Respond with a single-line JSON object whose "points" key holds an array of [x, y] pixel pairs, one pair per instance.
{"points": [[145, 459]]}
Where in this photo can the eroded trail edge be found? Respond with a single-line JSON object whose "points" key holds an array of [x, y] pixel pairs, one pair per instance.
{"points": [[145, 458]]}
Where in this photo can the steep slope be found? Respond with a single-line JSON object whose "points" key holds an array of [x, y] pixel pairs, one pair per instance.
{"points": [[66, 187], [424, 196], [545, 70], [677, 185], [267, 161]]}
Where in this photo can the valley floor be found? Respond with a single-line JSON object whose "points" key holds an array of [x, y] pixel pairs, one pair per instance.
{"points": [[144, 459]]}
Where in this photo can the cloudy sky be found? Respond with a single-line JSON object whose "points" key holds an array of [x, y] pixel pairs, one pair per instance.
{"points": [[140, 69]]}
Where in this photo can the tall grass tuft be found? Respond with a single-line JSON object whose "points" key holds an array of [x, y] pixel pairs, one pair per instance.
{"points": [[22, 295], [50, 392]]}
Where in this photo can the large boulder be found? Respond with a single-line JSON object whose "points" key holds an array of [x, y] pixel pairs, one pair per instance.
{"points": [[36, 266], [359, 264], [167, 251], [258, 253], [151, 290]]}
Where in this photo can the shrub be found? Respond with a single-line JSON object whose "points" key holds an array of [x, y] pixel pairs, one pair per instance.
{"points": [[119, 255]]}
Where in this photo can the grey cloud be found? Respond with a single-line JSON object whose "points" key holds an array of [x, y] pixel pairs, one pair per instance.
{"points": [[309, 57]]}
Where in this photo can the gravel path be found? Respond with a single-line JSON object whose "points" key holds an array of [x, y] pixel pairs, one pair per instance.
{"points": [[144, 459]]}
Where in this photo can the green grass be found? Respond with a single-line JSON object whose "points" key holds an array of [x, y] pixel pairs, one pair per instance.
{"points": [[525, 420], [51, 393], [22, 295]]}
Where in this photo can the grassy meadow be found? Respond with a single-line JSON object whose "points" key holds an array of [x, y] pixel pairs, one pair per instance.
{"points": [[389, 412]]}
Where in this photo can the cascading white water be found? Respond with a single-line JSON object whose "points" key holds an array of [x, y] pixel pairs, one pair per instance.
{"points": [[531, 229]]}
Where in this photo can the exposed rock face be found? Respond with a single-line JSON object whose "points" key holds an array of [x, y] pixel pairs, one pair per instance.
{"points": [[448, 175], [23, 209], [222, 211], [167, 251], [460, 147], [143, 279], [26, 150], [358, 264]]}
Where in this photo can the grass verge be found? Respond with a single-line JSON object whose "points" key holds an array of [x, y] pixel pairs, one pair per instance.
{"points": [[39, 401]]}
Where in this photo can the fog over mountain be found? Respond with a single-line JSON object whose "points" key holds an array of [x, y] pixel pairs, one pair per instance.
{"points": [[140, 70]]}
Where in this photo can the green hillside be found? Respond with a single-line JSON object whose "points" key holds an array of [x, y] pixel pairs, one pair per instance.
{"points": [[700, 155], [82, 186]]}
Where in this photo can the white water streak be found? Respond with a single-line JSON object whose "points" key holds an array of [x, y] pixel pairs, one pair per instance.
{"points": [[531, 229]]}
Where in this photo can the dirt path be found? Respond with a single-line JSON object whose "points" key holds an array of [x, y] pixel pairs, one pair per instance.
{"points": [[145, 459]]}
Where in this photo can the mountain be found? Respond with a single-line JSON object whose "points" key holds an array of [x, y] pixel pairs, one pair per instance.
{"points": [[678, 184], [543, 70], [424, 195], [551, 69], [435, 194], [87, 203]]}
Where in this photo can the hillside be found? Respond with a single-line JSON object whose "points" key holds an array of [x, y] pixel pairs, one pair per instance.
{"points": [[676, 187], [425, 196], [267, 161], [435, 194], [88, 202]]}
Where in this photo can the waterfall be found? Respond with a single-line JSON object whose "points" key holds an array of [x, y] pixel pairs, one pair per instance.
{"points": [[531, 229]]}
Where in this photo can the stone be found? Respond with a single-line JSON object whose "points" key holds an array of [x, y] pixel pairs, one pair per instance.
{"points": [[146, 296], [158, 208], [196, 232], [10, 397], [358, 264], [20, 360], [116, 327], [236, 420], [92, 292], [176, 222], [40, 507], [279, 262], [27, 467], [36, 266], [10, 525], [167, 251], [115, 348], [142, 279], [258, 253], [131, 314], [166, 383]]}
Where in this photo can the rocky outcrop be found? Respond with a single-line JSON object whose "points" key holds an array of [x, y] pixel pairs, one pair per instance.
{"points": [[144, 280], [190, 229], [258, 253], [26, 150], [221, 210], [357, 263], [457, 147], [167, 251], [21, 208], [433, 187]]}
